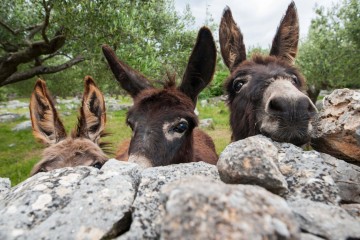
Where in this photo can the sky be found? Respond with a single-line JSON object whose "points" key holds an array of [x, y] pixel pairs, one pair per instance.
{"points": [[257, 19]]}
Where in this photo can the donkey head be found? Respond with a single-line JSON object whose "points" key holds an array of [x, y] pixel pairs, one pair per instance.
{"points": [[266, 93], [82, 147], [162, 120]]}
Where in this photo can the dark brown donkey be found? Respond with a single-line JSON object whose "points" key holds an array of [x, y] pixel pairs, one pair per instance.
{"points": [[163, 121], [82, 147], [266, 93]]}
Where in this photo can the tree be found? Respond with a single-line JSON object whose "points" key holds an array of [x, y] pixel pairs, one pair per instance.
{"points": [[330, 56], [25, 41], [148, 35]]}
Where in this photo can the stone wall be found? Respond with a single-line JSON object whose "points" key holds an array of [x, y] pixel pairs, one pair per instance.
{"points": [[260, 189]]}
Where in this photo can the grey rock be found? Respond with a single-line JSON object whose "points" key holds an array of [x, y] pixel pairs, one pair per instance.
{"points": [[5, 185], [22, 126], [346, 177], [9, 117], [207, 123], [323, 93], [71, 203], [307, 175], [26, 115], [214, 210], [74, 101], [204, 103], [308, 236], [14, 104], [252, 161], [326, 221], [118, 107], [216, 100], [335, 127], [357, 135], [319, 105], [148, 209], [70, 106], [352, 209]]}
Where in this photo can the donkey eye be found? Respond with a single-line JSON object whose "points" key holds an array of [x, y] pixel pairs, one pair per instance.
{"points": [[238, 83], [43, 169], [97, 165], [294, 80], [181, 127]]}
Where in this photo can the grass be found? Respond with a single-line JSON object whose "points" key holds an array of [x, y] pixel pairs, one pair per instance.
{"points": [[19, 151]]}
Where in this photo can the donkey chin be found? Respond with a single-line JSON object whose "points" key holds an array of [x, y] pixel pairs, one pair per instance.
{"points": [[278, 129]]}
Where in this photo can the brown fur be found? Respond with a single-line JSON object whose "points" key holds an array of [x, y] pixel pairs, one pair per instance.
{"points": [[83, 146], [163, 120], [284, 112]]}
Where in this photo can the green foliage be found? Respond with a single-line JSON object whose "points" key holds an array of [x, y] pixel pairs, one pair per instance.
{"points": [[330, 56], [148, 35], [216, 87]]}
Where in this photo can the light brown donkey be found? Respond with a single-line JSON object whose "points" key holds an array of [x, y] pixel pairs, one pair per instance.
{"points": [[83, 147]]}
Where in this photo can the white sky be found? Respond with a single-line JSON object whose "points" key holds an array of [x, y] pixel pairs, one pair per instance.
{"points": [[257, 19]]}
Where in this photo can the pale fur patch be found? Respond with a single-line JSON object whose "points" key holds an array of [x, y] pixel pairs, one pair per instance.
{"points": [[141, 160], [171, 136]]}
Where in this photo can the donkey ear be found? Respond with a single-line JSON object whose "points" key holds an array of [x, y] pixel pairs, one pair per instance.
{"points": [[201, 65], [285, 42], [46, 125], [132, 81], [231, 41], [92, 119]]}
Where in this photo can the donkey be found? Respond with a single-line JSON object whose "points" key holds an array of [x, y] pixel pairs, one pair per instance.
{"points": [[83, 147], [163, 121], [266, 94]]}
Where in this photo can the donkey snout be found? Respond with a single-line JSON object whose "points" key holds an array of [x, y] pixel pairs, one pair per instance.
{"points": [[282, 106]]}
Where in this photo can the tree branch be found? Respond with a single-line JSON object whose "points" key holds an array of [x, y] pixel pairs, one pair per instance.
{"points": [[7, 27], [20, 76], [47, 9]]}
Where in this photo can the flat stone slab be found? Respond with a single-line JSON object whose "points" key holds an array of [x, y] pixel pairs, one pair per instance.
{"points": [[70, 203], [214, 210], [325, 221], [148, 208]]}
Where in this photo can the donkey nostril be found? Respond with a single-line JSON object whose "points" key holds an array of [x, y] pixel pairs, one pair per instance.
{"points": [[277, 105]]}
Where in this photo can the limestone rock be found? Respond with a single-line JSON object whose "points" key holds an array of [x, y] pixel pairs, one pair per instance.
{"points": [[336, 125], [346, 177], [252, 161], [148, 210], [22, 126], [71, 203], [325, 221], [214, 210], [14, 104], [5, 185], [352, 209], [9, 117], [307, 175], [207, 123], [308, 236]]}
